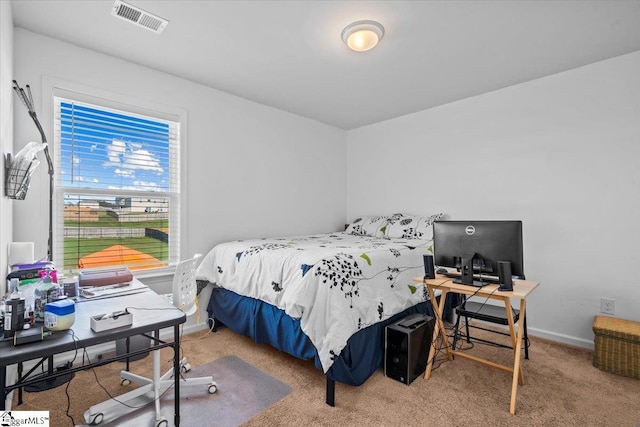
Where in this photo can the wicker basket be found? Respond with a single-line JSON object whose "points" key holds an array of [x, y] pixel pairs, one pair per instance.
{"points": [[617, 346]]}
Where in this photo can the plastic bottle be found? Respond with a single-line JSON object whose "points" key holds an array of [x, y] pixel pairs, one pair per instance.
{"points": [[1, 318], [15, 293], [32, 319], [45, 292], [15, 308]]}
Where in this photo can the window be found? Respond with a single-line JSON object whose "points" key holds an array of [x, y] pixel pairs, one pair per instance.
{"points": [[117, 187]]}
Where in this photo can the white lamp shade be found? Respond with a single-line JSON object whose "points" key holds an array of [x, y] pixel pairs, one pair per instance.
{"points": [[362, 36]]}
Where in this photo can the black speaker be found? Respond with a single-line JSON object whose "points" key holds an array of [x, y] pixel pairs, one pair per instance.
{"points": [[429, 270], [406, 347], [504, 276]]}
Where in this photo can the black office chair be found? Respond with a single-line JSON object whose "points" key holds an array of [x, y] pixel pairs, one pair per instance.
{"points": [[487, 313]]}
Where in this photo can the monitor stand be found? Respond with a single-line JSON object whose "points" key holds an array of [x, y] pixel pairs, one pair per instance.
{"points": [[466, 271], [466, 268]]}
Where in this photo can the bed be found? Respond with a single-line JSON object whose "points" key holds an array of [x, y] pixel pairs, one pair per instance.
{"points": [[325, 297]]}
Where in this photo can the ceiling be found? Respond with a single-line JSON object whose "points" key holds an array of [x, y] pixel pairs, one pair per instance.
{"points": [[289, 54]]}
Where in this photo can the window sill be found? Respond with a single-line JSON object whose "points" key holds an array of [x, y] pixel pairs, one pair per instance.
{"points": [[154, 273], [158, 280]]}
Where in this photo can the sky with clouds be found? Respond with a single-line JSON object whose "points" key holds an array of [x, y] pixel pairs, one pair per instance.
{"points": [[104, 149]]}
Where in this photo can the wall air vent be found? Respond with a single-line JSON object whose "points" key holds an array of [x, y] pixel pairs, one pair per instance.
{"points": [[139, 17]]}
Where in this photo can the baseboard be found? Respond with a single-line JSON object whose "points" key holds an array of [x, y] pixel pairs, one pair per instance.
{"points": [[562, 338], [542, 333], [548, 335], [189, 329]]}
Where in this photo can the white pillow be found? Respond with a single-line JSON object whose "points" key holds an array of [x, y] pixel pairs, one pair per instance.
{"points": [[368, 226], [411, 226]]}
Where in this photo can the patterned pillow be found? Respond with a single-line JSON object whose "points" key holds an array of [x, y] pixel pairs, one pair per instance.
{"points": [[411, 226], [368, 226]]}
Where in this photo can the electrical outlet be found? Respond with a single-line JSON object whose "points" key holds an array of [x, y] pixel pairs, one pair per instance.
{"points": [[607, 306]]}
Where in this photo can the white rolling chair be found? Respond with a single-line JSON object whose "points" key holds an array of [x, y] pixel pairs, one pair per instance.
{"points": [[184, 297]]}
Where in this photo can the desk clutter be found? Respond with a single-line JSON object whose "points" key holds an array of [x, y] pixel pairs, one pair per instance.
{"points": [[104, 277], [38, 295], [35, 297], [106, 321], [29, 335]]}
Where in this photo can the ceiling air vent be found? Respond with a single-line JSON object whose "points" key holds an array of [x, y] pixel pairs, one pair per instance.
{"points": [[139, 17]]}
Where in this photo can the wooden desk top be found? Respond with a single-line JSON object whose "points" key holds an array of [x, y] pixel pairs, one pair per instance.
{"points": [[521, 288]]}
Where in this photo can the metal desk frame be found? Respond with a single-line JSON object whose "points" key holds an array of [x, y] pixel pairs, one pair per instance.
{"points": [[151, 313]]}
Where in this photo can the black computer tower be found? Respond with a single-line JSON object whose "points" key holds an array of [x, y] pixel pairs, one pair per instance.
{"points": [[406, 347]]}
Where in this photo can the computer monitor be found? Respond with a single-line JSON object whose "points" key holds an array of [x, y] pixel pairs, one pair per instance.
{"points": [[480, 244]]}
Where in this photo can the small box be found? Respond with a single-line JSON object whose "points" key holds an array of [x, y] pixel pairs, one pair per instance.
{"points": [[617, 346], [70, 286], [103, 322]]}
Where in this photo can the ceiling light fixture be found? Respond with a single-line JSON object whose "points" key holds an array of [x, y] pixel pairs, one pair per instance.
{"points": [[362, 36]]}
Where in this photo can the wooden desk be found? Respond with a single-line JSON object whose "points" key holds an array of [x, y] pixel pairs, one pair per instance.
{"points": [[521, 290]]}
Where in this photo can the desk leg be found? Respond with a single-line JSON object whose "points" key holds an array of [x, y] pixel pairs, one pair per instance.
{"points": [[516, 365], [512, 332], [156, 374], [20, 369], [3, 382], [440, 329], [176, 374]]}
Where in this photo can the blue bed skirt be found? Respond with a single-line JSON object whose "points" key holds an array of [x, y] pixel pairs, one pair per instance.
{"points": [[266, 324]]}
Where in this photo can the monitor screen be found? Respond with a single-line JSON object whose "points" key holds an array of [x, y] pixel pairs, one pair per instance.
{"points": [[489, 241]]}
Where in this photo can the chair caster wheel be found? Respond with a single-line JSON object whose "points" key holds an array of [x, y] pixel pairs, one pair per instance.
{"points": [[125, 381], [97, 419], [213, 387], [162, 422], [185, 368]]}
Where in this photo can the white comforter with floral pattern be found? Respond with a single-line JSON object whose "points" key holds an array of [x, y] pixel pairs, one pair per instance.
{"points": [[336, 284]]}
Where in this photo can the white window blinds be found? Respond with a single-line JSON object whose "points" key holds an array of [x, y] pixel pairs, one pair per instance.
{"points": [[117, 186]]}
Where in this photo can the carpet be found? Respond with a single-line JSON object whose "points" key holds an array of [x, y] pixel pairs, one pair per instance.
{"points": [[243, 392]]}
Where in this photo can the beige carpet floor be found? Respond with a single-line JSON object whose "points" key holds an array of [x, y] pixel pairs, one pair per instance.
{"points": [[247, 392], [562, 388]]}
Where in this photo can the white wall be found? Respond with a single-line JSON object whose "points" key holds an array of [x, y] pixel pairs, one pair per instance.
{"points": [[560, 153], [6, 128], [252, 170]]}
